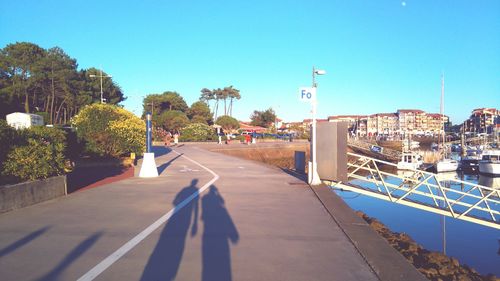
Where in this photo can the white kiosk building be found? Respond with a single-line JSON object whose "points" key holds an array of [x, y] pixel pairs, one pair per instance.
{"points": [[21, 120]]}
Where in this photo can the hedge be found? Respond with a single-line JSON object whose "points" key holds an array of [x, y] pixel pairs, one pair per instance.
{"points": [[37, 153]]}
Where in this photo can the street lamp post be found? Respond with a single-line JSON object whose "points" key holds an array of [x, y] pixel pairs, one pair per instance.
{"points": [[100, 76], [314, 177]]}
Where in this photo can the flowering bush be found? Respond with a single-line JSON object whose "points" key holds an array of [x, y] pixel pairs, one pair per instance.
{"points": [[39, 152], [8, 138], [197, 132], [109, 130]]}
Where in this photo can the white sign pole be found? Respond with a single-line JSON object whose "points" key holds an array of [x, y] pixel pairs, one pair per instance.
{"points": [[307, 94], [314, 178]]}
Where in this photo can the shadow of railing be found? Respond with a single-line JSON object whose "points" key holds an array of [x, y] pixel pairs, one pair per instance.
{"points": [[23, 241], [85, 245]]}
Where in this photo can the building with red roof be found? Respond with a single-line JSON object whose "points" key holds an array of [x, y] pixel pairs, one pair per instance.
{"points": [[482, 120]]}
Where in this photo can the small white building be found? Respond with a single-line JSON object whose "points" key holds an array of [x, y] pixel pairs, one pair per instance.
{"points": [[21, 120]]}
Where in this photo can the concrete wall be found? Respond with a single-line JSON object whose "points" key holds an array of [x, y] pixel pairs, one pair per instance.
{"points": [[28, 193]]}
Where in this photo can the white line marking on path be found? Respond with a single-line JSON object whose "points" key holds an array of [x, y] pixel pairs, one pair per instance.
{"points": [[107, 262]]}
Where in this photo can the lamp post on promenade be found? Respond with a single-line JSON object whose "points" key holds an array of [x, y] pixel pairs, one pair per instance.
{"points": [[314, 177], [100, 76]]}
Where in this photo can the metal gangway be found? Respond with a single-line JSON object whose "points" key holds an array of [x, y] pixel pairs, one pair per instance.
{"points": [[437, 193]]}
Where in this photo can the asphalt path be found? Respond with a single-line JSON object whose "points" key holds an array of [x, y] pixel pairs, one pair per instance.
{"points": [[207, 216]]}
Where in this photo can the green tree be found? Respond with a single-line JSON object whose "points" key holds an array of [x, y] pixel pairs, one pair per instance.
{"points": [[207, 96], [111, 91], [219, 94], [37, 80], [56, 79], [18, 61], [157, 104], [109, 130], [227, 123], [264, 118], [173, 101], [199, 112], [232, 94], [173, 120]]}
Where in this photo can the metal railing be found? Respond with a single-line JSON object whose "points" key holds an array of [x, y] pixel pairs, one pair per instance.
{"points": [[438, 193]]}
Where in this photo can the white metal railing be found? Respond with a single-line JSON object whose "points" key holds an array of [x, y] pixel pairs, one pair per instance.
{"points": [[439, 193]]}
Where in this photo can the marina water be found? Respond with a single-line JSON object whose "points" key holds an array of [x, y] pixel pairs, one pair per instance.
{"points": [[472, 244]]}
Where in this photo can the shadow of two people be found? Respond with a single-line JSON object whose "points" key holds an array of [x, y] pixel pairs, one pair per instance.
{"points": [[218, 231]]}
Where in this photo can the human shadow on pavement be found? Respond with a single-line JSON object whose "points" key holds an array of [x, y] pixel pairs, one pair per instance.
{"points": [[23, 241], [219, 230], [165, 165], [55, 274], [164, 262]]}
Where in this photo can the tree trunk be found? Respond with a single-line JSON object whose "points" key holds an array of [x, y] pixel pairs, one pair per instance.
{"points": [[46, 105], [53, 96], [213, 109], [216, 109], [26, 102], [34, 101], [231, 108], [59, 111], [225, 110]]}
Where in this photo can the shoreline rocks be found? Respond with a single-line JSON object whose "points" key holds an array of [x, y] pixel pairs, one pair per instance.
{"points": [[434, 265]]}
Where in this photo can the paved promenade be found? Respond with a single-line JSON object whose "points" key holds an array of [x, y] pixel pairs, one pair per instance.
{"points": [[207, 217]]}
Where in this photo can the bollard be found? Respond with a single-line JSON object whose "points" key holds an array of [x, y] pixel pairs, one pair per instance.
{"points": [[148, 167], [300, 162]]}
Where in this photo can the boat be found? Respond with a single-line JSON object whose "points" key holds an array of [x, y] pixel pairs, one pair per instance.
{"points": [[456, 148], [410, 161], [490, 163], [470, 162], [376, 149], [445, 164]]}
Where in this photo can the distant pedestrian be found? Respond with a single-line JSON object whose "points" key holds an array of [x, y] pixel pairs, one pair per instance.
{"points": [[168, 139], [176, 139], [220, 138]]}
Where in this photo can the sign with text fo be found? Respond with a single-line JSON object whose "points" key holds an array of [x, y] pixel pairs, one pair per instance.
{"points": [[307, 94]]}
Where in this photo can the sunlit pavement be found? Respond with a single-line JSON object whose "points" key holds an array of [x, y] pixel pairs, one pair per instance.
{"points": [[254, 223]]}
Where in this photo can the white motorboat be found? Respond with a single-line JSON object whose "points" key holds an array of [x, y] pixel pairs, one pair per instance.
{"points": [[410, 161], [446, 165], [490, 163]]}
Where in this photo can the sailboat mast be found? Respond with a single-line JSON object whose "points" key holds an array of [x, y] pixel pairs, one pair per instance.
{"points": [[442, 106]]}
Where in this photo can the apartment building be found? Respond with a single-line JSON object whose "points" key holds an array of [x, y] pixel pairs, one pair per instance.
{"points": [[482, 120], [356, 124], [383, 124], [403, 122]]}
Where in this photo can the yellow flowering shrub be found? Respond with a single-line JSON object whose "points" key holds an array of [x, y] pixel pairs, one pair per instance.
{"points": [[109, 130]]}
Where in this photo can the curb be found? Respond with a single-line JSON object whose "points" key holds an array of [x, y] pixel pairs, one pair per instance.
{"points": [[387, 263]]}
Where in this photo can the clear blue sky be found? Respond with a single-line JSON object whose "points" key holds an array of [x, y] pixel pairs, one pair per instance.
{"points": [[379, 55]]}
